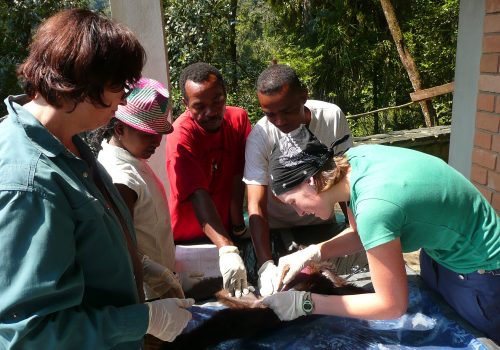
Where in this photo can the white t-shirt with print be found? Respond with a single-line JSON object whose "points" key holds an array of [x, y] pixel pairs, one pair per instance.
{"points": [[328, 124]]}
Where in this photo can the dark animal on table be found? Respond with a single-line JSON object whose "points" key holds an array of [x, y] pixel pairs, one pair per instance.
{"points": [[257, 319]]}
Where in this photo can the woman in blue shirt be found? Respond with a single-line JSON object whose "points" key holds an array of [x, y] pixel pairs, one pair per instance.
{"points": [[70, 277], [400, 200]]}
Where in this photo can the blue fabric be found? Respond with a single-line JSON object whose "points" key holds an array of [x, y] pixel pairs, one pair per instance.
{"points": [[66, 279], [423, 326], [474, 296]]}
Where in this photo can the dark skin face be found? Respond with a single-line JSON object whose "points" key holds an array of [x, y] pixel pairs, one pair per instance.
{"points": [[138, 143], [207, 102], [285, 108]]}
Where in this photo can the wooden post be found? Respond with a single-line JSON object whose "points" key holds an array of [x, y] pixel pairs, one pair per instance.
{"points": [[420, 95], [407, 59]]}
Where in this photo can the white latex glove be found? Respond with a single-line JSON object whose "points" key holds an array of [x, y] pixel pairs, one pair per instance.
{"points": [[168, 317], [268, 278], [232, 269], [160, 279], [288, 305], [295, 262]]}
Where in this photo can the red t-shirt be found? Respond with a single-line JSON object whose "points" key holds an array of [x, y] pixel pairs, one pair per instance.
{"points": [[197, 159]]}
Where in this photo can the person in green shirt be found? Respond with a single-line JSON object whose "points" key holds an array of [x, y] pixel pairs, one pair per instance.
{"points": [[400, 200], [70, 276]]}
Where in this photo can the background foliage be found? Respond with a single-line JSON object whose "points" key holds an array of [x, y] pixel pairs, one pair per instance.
{"points": [[18, 21], [341, 49]]}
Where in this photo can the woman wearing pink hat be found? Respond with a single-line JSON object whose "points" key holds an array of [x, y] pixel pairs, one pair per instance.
{"points": [[130, 139]]}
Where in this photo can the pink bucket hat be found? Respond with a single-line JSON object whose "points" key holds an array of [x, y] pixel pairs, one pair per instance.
{"points": [[147, 108]]}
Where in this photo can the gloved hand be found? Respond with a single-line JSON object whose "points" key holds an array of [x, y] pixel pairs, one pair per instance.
{"points": [[295, 262], [290, 304], [160, 279], [232, 269], [268, 278], [168, 317]]}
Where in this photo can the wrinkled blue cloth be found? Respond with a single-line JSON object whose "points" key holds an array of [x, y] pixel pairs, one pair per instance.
{"points": [[424, 325]]}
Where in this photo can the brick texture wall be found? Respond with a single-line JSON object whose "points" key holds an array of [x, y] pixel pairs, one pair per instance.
{"points": [[485, 172]]}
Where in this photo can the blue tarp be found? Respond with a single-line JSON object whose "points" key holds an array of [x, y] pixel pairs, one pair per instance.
{"points": [[424, 326]]}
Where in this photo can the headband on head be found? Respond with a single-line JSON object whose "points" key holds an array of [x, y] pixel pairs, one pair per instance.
{"points": [[298, 156]]}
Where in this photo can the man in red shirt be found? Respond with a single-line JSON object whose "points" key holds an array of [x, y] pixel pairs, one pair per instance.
{"points": [[205, 160]]}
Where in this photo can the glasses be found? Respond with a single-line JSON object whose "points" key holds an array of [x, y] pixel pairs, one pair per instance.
{"points": [[127, 90]]}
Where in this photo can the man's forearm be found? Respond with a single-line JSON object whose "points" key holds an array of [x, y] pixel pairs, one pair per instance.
{"points": [[236, 210], [259, 229], [259, 226], [209, 218]]}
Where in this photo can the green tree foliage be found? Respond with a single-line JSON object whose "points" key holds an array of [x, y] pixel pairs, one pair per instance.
{"points": [[201, 31], [431, 36], [342, 49], [359, 67], [18, 21], [196, 31]]}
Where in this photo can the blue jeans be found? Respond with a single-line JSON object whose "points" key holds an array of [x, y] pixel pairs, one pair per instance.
{"points": [[474, 296]]}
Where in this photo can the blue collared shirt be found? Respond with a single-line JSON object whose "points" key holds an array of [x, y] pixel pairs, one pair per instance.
{"points": [[66, 278]]}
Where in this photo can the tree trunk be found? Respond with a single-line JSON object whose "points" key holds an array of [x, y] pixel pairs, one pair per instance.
{"points": [[232, 48], [306, 12], [376, 127], [407, 59]]}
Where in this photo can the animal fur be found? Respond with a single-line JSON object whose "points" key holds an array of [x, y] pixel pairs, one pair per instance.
{"points": [[245, 318]]}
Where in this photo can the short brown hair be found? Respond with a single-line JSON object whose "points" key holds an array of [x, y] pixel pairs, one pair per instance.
{"points": [[76, 53], [331, 173]]}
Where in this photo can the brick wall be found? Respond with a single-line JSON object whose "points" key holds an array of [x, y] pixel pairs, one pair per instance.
{"points": [[485, 172]]}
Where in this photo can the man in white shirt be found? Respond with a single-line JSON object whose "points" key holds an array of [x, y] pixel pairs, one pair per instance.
{"points": [[283, 100]]}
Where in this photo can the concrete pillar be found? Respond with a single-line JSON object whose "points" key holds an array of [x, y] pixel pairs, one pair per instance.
{"points": [[145, 19], [469, 43]]}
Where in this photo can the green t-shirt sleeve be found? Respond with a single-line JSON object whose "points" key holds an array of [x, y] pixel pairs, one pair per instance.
{"points": [[378, 221]]}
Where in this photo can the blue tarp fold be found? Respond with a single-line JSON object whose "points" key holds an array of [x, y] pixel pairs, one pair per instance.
{"points": [[424, 326]]}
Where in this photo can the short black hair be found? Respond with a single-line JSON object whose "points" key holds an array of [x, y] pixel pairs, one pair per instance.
{"points": [[199, 72], [274, 77]]}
